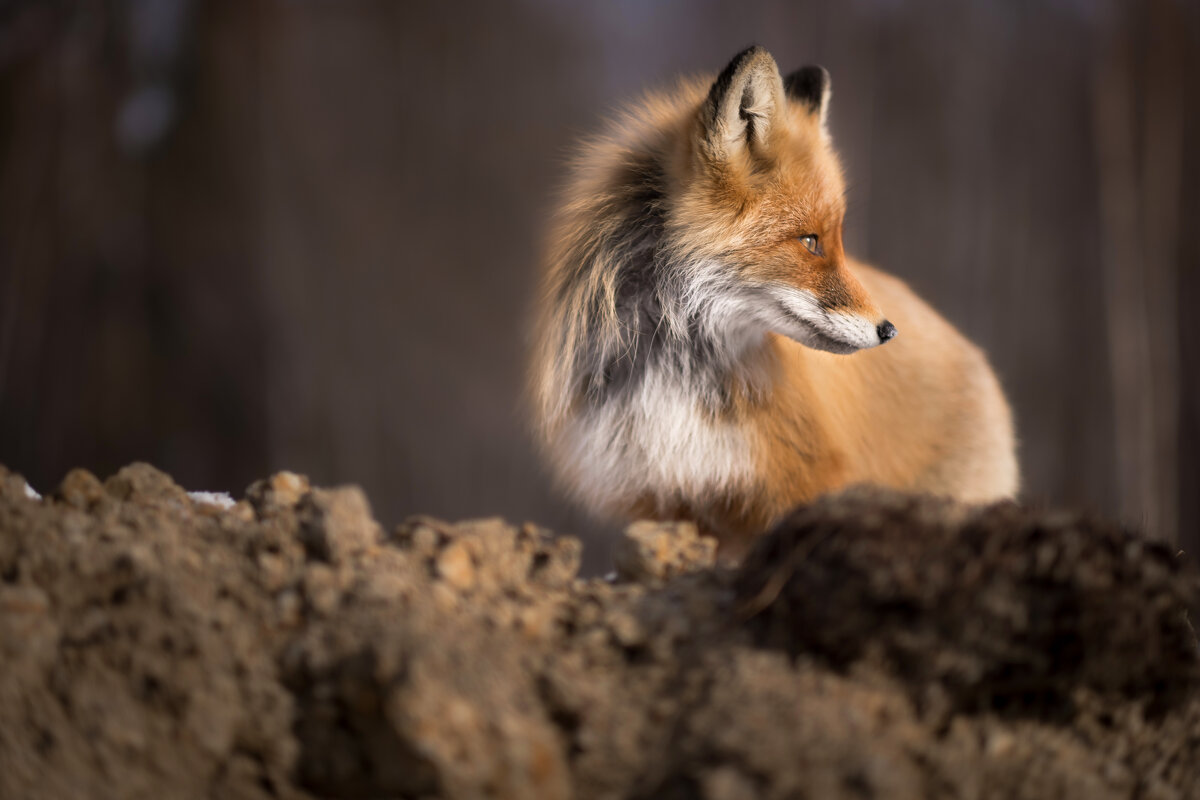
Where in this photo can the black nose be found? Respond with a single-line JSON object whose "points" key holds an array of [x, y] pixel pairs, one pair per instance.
{"points": [[886, 331]]}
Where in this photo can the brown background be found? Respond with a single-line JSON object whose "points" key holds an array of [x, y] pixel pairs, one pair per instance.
{"points": [[322, 258]]}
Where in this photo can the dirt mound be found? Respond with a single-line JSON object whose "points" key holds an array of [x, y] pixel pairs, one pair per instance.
{"points": [[876, 646]]}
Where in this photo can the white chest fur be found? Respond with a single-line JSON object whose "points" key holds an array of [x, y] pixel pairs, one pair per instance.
{"points": [[655, 439]]}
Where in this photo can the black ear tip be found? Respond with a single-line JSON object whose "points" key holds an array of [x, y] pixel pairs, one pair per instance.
{"points": [[753, 51], [721, 85], [744, 57], [808, 85]]}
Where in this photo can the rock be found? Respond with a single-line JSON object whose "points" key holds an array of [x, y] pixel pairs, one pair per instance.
{"points": [[454, 564], [281, 491], [336, 524], [423, 539], [142, 483], [12, 485], [660, 550], [81, 489]]}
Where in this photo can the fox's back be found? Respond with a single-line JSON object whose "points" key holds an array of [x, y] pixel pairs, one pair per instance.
{"points": [[916, 414]]}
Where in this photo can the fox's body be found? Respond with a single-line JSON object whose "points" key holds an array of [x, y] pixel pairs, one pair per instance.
{"points": [[702, 343]]}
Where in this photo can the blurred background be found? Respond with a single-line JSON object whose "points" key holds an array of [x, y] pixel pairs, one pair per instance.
{"points": [[238, 236]]}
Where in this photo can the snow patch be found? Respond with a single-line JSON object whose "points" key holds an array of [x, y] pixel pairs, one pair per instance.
{"points": [[220, 499]]}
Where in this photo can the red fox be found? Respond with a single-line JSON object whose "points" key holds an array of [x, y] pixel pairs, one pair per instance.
{"points": [[706, 350]]}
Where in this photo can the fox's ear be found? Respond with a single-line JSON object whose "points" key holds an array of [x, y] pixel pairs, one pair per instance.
{"points": [[810, 85], [743, 104]]}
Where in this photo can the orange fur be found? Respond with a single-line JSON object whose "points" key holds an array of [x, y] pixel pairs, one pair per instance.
{"points": [[679, 367]]}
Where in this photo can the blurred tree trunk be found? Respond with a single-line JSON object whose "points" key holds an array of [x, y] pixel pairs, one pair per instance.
{"points": [[130, 320], [1139, 140]]}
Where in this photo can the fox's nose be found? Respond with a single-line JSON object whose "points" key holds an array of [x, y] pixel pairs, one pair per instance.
{"points": [[886, 331]]}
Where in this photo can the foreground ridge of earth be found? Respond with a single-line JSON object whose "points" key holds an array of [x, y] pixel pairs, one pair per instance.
{"points": [[159, 644]]}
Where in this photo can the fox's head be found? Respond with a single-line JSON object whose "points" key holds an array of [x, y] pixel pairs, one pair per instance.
{"points": [[702, 220], [756, 210]]}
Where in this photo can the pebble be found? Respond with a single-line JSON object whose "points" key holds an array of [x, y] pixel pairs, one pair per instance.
{"points": [[456, 567]]}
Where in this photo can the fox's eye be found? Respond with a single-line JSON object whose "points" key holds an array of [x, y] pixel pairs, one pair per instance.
{"points": [[812, 244]]}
